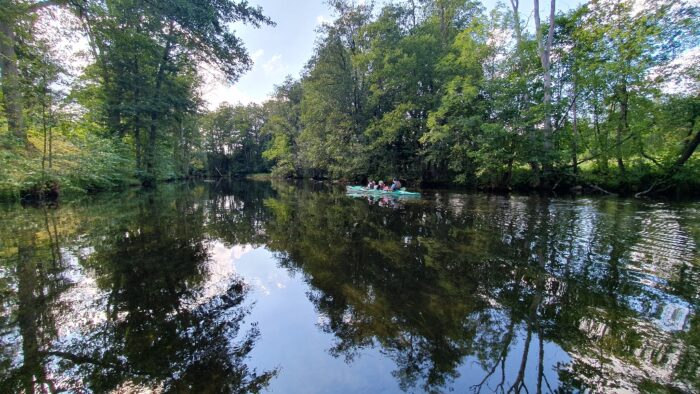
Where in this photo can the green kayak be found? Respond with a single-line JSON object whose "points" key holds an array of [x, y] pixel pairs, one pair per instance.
{"points": [[364, 190]]}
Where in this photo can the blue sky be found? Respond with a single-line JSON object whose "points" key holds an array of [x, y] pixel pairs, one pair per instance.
{"points": [[276, 51], [285, 48]]}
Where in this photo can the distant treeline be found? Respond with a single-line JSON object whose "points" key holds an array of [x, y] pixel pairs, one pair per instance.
{"points": [[605, 96]]}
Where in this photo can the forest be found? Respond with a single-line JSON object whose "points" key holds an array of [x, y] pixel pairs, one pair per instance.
{"points": [[604, 97]]}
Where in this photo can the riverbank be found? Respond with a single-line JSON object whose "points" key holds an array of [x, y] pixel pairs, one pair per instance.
{"points": [[637, 181], [587, 181], [81, 165], [69, 166]]}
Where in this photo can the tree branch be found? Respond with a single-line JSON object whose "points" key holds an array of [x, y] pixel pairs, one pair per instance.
{"points": [[597, 154]]}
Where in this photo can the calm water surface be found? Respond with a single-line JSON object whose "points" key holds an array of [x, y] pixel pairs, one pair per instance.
{"points": [[287, 288]]}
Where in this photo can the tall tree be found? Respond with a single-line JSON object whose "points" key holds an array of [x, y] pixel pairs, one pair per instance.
{"points": [[333, 108], [283, 127], [150, 44], [15, 20], [544, 50]]}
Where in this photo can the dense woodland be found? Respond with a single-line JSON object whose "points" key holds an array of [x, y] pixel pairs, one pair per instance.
{"points": [[605, 96]]}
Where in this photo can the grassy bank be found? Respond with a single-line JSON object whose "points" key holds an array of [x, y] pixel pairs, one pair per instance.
{"points": [[74, 166]]}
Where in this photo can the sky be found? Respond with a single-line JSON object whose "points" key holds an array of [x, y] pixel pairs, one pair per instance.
{"points": [[277, 51], [284, 49]]}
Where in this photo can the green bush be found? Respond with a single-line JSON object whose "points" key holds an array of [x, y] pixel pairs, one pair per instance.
{"points": [[79, 165]]}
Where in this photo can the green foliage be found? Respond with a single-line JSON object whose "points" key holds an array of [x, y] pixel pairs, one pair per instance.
{"points": [[79, 165], [103, 164], [133, 112], [443, 93], [234, 140], [433, 92], [333, 105], [283, 126]]}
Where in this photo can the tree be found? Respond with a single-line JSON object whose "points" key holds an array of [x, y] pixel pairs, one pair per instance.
{"points": [[455, 125], [283, 126], [235, 139], [544, 50], [620, 61], [15, 21], [333, 109], [142, 47]]}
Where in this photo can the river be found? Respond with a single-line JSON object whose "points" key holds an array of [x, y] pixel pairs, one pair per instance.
{"points": [[298, 288]]}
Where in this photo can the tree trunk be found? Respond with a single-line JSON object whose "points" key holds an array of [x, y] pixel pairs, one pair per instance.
{"points": [[687, 152], [114, 116], [525, 99], [413, 14], [46, 134], [690, 146], [152, 137], [509, 174], [11, 82], [622, 125], [27, 315], [50, 146], [138, 145], [600, 140], [544, 50], [442, 13], [536, 178], [575, 136], [516, 20]]}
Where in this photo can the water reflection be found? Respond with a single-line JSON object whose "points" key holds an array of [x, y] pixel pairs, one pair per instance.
{"points": [[498, 281], [123, 306], [451, 292]]}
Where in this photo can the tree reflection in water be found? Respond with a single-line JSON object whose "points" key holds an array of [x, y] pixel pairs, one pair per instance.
{"points": [[128, 302], [495, 280], [459, 291]]}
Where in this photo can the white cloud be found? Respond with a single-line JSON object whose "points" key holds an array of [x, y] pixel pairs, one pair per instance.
{"points": [[215, 90], [323, 19], [275, 65], [257, 55]]}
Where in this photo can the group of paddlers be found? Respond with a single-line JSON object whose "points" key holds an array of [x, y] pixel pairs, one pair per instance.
{"points": [[395, 185]]}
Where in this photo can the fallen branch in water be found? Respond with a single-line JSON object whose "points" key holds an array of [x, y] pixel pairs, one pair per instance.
{"points": [[653, 185], [578, 177], [600, 189], [556, 184]]}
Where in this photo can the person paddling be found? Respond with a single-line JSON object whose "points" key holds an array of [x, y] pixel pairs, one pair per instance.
{"points": [[396, 185]]}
